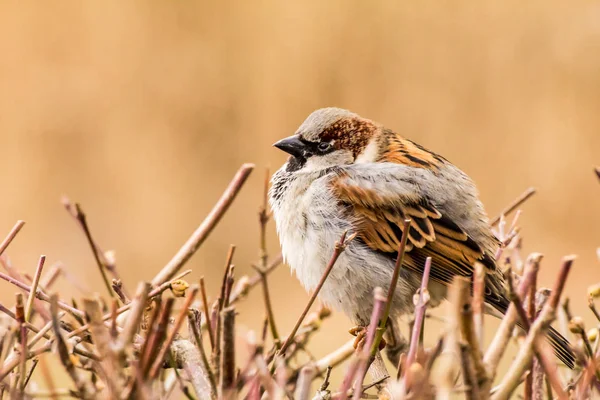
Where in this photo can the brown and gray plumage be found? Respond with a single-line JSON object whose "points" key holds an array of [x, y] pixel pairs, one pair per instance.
{"points": [[346, 172]]}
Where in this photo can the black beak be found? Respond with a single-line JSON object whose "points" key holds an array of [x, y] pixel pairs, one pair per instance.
{"points": [[292, 145]]}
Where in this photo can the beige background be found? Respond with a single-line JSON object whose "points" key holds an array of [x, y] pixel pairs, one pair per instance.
{"points": [[142, 111]]}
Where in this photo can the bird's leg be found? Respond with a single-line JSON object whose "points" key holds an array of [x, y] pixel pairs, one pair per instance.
{"points": [[360, 331], [397, 344]]}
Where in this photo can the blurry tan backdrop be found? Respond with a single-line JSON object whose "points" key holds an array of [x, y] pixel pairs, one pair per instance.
{"points": [[142, 111]]}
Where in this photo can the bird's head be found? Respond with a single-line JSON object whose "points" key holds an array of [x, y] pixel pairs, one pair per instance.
{"points": [[331, 137]]}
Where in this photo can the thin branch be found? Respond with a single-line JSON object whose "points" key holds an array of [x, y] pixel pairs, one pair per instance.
{"points": [[34, 288], [20, 314], [478, 301], [365, 354], [63, 352], [134, 318], [11, 235], [246, 283], [420, 308], [156, 336], [41, 295], [211, 334], [500, 341], [268, 305], [303, 385], [339, 249], [194, 327], [336, 357], [81, 218], [521, 363], [392, 288], [188, 357], [227, 376], [515, 204], [202, 232], [158, 361]]}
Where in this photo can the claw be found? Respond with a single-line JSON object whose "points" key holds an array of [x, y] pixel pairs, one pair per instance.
{"points": [[361, 338]]}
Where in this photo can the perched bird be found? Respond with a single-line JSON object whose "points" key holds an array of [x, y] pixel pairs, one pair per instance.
{"points": [[348, 173]]}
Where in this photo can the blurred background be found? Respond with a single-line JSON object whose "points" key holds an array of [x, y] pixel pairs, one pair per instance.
{"points": [[143, 111]]}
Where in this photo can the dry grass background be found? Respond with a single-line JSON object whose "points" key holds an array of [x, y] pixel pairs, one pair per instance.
{"points": [[142, 111]]}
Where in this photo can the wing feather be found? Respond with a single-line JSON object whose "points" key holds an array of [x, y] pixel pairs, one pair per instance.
{"points": [[378, 218]]}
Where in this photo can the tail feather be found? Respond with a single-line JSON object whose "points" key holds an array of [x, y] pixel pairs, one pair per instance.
{"points": [[560, 345]]}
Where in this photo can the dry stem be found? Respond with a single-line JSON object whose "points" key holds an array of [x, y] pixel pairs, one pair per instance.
{"points": [[515, 204], [200, 234]]}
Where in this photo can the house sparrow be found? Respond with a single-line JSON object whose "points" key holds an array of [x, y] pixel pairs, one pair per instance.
{"points": [[348, 173]]}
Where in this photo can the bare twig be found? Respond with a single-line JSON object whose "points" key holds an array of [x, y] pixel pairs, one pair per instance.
{"points": [[105, 261], [11, 235], [20, 314], [268, 305], [478, 300], [245, 283], [156, 336], [515, 204], [339, 248], [98, 256], [500, 341], [335, 358], [305, 378], [158, 361], [135, 316], [188, 357], [364, 358], [227, 376], [211, 333], [202, 232], [419, 315], [63, 352], [41, 295], [103, 342], [524, 357], [34, 287], [392, 288], [535, 370], [194, 325]]}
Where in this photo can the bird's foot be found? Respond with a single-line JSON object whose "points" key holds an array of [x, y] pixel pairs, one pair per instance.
{"points": [[361, 337]]}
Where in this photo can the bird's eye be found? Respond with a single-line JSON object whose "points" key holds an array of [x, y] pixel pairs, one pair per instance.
{"points": [[324, 146]]}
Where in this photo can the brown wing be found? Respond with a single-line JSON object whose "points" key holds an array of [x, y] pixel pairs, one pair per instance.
{"points": [[379, 220]]}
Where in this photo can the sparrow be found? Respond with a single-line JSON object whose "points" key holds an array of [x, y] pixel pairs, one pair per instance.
{"points": [[348, 173]]}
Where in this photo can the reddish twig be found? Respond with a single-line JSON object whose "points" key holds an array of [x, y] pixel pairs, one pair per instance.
{"points": [[20, 314], [11, 235], [156, 335], [364, 357], [516, 203], [392, 288], [34, 288], [158, 361], [524, 357], [41, 295], [211, 334], [227, 367], [420, 308], [478, 300]]}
